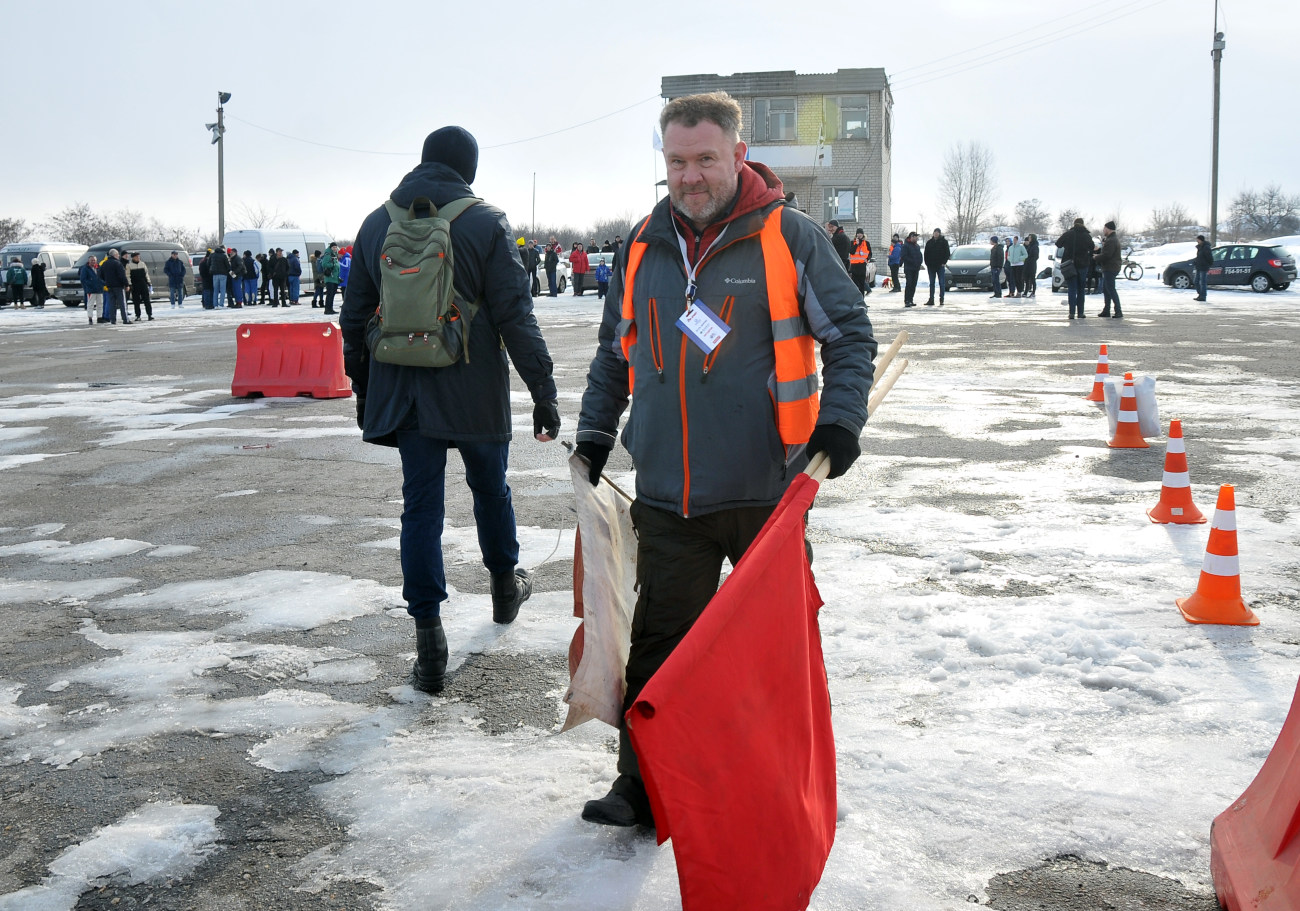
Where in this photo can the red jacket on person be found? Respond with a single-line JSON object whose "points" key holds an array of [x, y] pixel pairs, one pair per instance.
{"points": [[578, 261]]}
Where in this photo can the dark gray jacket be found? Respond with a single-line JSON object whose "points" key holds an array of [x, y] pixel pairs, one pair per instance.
{"points": [[468, 400], [1109, 258], [702, 432]]}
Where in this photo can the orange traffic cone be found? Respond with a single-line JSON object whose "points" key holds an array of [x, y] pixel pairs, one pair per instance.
{"points": [[1175, 505], [1127, 435], [1218, 594], [1098, 393]]}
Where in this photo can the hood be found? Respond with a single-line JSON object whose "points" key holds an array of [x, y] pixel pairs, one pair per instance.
{"points": [[756, 188], [439, 182]]}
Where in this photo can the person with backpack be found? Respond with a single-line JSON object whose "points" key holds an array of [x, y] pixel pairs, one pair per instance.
{"points": [[16, 279], [473, 315]]}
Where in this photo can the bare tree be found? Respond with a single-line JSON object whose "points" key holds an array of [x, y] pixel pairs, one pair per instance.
{"points": [[1268, 213], [966, 189], [249, 216], [1031, 217], [1121, 224], [77, 224], [187, 237], [129, 225], [12, 231], [1065, 219], [1170, 224]]}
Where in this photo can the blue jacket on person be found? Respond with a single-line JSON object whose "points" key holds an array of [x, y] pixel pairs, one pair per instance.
{"points": [[295, 265], [603, 273], [91, 283], [911, 255], [896, 254], [174, 269], [345, 266]]}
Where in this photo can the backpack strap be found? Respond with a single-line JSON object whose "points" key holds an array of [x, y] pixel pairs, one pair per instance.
{"points": [[451, 211]]}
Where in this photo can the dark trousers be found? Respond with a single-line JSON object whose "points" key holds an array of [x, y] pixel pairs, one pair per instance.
{"points": [[1076, 288], [893, 277], [913, 275], [17, 295], [997, 281], [424, 471], [550, 281], [1029, 281], [282, 291], [116, 301], [858, 272], [678, 564], [318, 293], [141, 296], [1201, 282], [265, 295], [936, 282], [601, 289], [578, 278], [1014, 274], [1108, 293], [330, 288], [536, 284]]}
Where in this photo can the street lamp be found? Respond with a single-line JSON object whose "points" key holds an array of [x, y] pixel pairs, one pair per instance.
{"points": [[219, 140]]}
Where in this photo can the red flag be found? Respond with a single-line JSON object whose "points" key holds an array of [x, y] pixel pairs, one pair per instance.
{"points": [[733, 732]]}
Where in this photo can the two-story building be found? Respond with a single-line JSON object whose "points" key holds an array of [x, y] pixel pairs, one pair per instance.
{"points": [[826, 135]]}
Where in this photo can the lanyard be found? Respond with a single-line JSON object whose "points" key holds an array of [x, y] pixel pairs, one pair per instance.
{"points": [[691, 270]]}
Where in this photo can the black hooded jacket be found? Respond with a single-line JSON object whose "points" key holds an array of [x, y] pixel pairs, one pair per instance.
{"points": [[469, 400]]}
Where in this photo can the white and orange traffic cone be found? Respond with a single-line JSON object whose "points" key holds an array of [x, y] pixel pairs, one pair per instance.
{"points": [[1175, 505], [1098, 393], [1127, 434], [1218, 593]]}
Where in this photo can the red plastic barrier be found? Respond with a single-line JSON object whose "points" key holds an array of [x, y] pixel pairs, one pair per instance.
{"points": [[288, 359], [1255, 843]]}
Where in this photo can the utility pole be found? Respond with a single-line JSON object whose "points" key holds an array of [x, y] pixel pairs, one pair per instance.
{"points": [[219, 140], [1216, 52]]}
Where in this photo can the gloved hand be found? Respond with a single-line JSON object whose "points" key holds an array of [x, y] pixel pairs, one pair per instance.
{"points": [[595, 455], [361, 412], [840, 444], [546, 420]]}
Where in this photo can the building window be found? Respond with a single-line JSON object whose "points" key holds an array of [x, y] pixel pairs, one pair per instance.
{"points": [[841, 205], [774, 119], [846, 117]]}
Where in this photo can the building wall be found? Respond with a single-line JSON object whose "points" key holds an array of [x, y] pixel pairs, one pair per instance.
{"points": [[863, 164]]}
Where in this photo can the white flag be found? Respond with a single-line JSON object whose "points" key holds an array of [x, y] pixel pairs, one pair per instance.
{"points": [[656, 142]]}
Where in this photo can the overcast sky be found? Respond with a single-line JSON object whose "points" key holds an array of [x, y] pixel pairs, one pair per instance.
{"points": [[1097, 106]]}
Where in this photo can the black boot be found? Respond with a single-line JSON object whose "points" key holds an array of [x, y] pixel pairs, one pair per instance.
{"points": [[1105, 312], [430, 670], [509, 590], [625, 805]]}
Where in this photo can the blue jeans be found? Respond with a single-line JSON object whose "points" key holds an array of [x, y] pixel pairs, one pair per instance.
{"points": [[997, 282], [176, 293], [218, 290], [237, 289], [936, 281], [424, 469], [295, 285], [1108, 292], [1201, 280], [550, 280]]}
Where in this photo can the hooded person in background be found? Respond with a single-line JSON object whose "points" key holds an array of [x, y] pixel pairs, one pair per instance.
{"points": [[1029, 283], [425, 411]]}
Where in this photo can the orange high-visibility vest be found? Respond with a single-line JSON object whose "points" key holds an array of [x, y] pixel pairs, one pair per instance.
{"points": [[859, 251], [797, 401]]}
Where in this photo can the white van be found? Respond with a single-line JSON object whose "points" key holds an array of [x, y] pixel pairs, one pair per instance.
{"points": [[55, 257], [260, 240]]}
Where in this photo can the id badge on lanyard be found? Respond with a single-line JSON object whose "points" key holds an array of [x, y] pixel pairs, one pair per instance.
{"points": [[700, 324]]}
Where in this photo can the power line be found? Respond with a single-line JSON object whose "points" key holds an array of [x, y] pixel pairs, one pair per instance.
{"points": [[499, 145], [998, 56]]}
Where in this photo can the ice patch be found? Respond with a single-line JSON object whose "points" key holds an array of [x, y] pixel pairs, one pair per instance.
{"points": [[158, 841], [36, 591], [173, 550]]}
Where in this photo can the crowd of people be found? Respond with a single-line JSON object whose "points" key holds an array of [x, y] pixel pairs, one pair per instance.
{"points": [[596, 261]]}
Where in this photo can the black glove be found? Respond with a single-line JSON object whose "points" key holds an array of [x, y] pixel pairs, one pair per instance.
{"points": [[840, 444], [361, 412], [596, 455], [546, 420]]}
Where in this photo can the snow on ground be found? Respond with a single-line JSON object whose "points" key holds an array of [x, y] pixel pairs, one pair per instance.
{"points": [[977, 732]]}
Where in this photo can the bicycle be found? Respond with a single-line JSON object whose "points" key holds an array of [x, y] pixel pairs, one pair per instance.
{"points": [[1132, 268]]}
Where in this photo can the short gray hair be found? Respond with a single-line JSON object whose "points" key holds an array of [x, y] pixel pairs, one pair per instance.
{"points": [[716, 107]]}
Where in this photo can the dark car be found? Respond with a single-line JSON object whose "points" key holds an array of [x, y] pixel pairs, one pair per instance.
{"points": [[153, 253], [969, 268], [1260, 267]]}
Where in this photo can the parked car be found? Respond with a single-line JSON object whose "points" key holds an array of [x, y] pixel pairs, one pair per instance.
{"points": [[55, 257], [968, 267], [153, 253], [1262, 268]]}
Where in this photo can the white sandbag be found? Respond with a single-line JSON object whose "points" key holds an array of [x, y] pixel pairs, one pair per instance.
{"points": [[1144, 390], [608, 599]]}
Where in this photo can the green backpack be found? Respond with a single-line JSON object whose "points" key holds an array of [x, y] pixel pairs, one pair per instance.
{"points": [[419, 322]]}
